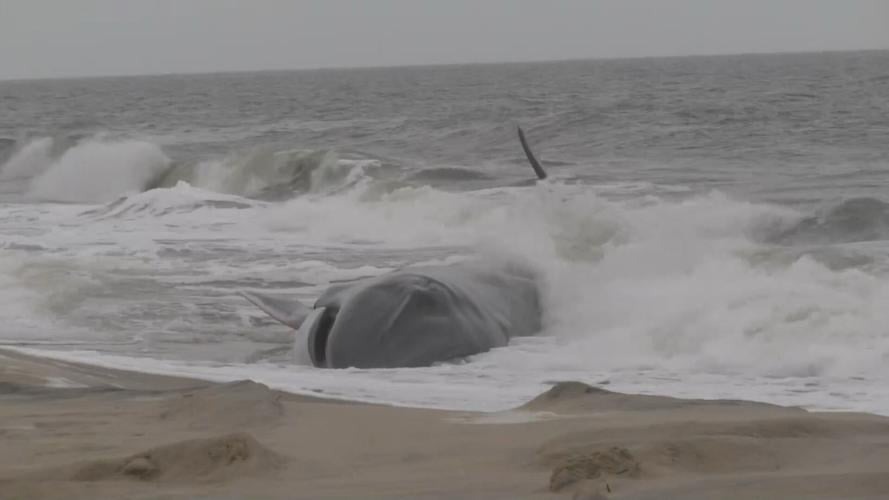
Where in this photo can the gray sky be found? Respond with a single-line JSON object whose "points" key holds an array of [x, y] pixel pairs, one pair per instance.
{"points": [[48, 38]]}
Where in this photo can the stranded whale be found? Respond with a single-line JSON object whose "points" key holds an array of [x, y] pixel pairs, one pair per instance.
{"points": [[415, 316]]}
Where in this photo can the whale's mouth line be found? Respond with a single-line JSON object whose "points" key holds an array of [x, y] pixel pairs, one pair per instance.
{"points": [[319, 331]]}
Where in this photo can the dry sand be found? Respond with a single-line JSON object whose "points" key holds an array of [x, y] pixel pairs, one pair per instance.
{"points": [[128, 435]]}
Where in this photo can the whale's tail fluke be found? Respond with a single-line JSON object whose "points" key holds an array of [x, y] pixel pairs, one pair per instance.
{"points": [[538, 169]]}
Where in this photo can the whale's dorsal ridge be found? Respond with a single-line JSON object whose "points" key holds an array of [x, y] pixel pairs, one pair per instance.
{"points": [[538, 168], [288, 311]]}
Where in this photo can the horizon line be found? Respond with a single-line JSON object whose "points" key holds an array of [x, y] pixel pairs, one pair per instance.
{"points": [[432, 65]]}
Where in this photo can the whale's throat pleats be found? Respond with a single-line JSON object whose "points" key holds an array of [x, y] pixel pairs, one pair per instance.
{"points": [[320, 331]]}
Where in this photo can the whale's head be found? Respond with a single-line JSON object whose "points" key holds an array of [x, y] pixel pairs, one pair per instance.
{"points": [[399, 319], [394, 320]]}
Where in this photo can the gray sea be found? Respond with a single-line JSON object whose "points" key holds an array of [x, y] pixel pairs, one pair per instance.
{"points": [[712, 226]]}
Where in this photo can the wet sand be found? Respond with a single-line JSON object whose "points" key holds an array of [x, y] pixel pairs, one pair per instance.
{"points": [[72, 431]]}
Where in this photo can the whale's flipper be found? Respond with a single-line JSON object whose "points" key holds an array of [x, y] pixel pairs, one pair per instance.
{"points": [[538, 169], [288, 311]]}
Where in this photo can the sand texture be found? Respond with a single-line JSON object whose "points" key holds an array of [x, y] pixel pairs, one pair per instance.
{"points": [[69, 431]]}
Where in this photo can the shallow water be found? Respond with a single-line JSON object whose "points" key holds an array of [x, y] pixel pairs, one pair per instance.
{"points": [[712, 227]]}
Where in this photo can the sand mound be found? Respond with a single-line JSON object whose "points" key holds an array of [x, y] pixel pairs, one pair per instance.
{"points": [[699, 454], [215, 459], [679, 447], [595, 468], [233, 405], [577, 397], [615, 461]]}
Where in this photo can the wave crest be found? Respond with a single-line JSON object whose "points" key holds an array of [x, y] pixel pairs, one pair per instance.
{"points": [[181, 198], [31, 159], [849, 221], [99, 170], [267, 173], [92, 171]]}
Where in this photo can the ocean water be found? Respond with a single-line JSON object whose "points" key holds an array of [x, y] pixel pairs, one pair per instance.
{"points": [[712, 226]]}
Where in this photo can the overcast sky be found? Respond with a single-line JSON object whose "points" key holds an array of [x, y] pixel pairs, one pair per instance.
{"points": [[48, 38]]}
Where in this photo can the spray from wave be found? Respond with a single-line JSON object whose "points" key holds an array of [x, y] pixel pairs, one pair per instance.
{"points": [[686, 284], [97, 169], [32, 159], [7, 148], [846, 221], [179, 199], [92, 170], [264, 172], [650, 285], [701, 282]]}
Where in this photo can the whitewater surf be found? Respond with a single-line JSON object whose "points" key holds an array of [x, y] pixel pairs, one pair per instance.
{"points": [[691, 242]]}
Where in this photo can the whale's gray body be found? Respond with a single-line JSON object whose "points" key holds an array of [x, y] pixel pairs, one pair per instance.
{"points": [[416, 316]]}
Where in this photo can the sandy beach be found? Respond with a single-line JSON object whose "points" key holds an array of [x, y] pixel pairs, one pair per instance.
{"points": [[73, 431]]}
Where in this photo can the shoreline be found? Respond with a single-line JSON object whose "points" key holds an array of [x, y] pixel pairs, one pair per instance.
{"points": [[185, 370], [324, 384], [70, 430]]}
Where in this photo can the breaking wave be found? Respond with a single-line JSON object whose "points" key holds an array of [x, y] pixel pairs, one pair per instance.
{"points": [[98, 169], [179, 199], [634, 283], [690, 281], [7, 146], [32, 159], [683, 284], [848, 221], [267, 173]]}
